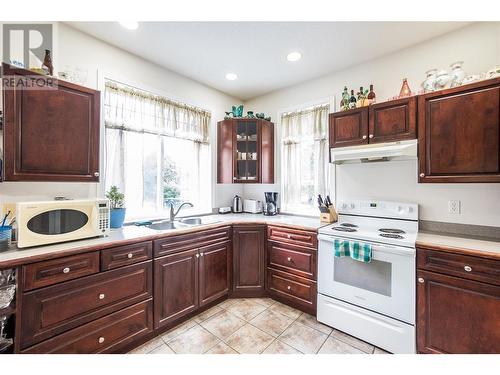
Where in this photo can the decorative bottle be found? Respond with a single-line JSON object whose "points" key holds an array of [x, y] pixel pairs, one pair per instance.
{"points": [[405, 89], [352, 101], [344, 103], [371, 96], [47, 63]]}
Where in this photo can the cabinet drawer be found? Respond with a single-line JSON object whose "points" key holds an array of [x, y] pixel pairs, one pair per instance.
{"points": [[468, 267], [293, 236], [293, 259], [125, 255], [105, 335], [59, 308], [50, 272], [182, 242], [298, 291]]}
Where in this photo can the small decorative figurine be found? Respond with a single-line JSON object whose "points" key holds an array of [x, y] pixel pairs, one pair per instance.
{"points": [[47, 63], [268, 118], [405, 89], [260, 115], [250, 114], [344, 103], [238, 111]]}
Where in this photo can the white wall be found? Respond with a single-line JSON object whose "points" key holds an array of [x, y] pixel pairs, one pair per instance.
{"points": [[479, 46], [76, 49]]}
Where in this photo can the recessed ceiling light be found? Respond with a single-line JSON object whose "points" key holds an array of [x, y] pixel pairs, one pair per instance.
{"points": [[231, 76], [131, 25], [294, 56]]}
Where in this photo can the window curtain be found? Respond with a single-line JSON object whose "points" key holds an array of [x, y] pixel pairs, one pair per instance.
{"points": [[142, 132], [299, 128]]}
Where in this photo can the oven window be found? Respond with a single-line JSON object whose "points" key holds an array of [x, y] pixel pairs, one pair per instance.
{"points": [[375, 276], [57, 222]]}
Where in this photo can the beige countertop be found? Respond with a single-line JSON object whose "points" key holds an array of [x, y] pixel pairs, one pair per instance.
{"points": [[459, 244], [132, 233]]}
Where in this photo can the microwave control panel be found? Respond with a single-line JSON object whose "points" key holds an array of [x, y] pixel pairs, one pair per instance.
{"points": [[104, 216]]}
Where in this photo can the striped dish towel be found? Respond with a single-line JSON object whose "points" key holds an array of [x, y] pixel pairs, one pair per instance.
{"points": [[356, 250]]}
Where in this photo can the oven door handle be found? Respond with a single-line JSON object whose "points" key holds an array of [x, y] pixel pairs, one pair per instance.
{"points": [[375, 246]]}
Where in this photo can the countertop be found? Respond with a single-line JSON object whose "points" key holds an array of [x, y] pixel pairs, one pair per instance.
{"points": [[131, 233], [459, 244]]}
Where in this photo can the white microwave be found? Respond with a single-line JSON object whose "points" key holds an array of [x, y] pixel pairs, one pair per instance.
{"points": [[42, 223]]}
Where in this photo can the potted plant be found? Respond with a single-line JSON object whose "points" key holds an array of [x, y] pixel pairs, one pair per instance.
{"points": [[116, 200]]}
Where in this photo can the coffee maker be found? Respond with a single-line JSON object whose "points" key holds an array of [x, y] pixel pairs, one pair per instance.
{"points": [[271, 203]]}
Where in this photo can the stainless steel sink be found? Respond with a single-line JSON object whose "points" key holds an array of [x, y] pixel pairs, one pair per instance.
{"points": [[191, 221], [166, 225]]}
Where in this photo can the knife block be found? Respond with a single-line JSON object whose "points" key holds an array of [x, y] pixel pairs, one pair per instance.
{"points": [[330, 216]]}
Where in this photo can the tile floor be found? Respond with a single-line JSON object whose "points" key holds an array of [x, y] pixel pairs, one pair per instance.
{"points": [[252, 326]]}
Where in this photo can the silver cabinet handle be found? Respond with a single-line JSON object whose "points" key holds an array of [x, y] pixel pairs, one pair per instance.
{"points": [[130, 255], [364, 137], [421, 280], [422, 174], [289, 236], [96, 174], [66, 269], [101, 340], [197, 255], [102, 296], [289, 259], [371, 136], [201, 254], [289, 287], [467, 268]]}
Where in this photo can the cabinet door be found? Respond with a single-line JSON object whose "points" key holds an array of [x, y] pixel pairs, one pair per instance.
{"points": [[214, 272], [459, 134], [266, 152], [349, 128], [225, 152], [175, 286], [456, 315], [395, 120], [51, 134], [249, 260]]}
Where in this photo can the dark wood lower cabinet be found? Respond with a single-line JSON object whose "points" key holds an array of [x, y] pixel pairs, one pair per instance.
{"points": [[249, 260], [175, 286], [214, 272]]}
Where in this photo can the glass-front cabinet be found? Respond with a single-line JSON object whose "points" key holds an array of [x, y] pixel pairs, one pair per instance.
{"points": [[245, 151]]}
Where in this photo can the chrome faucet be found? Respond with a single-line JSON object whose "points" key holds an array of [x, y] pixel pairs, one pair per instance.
{"points": [[172, 214]]}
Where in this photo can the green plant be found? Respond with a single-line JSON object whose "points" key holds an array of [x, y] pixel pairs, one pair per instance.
{"points": [[115, 197]]}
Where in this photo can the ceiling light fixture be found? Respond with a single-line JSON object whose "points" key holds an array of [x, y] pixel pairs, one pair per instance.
{"points": [[231, 76], [130, 25], [294, 56]]}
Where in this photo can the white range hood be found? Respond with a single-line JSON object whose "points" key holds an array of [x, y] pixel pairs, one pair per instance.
{"points": [[403, 150]]}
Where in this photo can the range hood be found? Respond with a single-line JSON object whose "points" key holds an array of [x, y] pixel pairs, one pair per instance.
{"points": [[403, 150]]}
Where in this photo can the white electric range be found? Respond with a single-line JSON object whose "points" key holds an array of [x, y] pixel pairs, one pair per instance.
{"points": [[372, 301]]}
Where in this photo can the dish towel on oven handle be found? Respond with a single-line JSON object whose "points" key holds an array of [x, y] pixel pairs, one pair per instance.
{"points": [[359, 251]]}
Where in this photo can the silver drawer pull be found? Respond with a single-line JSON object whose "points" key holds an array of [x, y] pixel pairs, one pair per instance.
{"points": [[102, 296], [66, 269], [101, 340], [130, 255], [289, 236], [421, 280], [289, 259], [289, 287], [467, 268]]}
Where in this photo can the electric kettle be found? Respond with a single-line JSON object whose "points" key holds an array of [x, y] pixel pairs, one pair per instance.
{"points": [[237, 204]]}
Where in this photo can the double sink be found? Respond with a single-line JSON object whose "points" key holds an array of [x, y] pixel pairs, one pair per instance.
{"points": [[176, 224]]}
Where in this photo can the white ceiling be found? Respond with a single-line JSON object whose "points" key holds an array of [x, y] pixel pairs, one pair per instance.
{"points": [[256, 51]]}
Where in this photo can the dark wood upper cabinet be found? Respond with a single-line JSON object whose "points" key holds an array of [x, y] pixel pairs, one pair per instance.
{"points": [[459, 134], [349, 128], [214, 272], [50, 134], [395, 120], [245, 151], [249, 260]]}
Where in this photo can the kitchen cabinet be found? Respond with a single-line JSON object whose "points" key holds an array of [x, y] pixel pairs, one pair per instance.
{"points": [[214, 272], [348, 128], [455, 312], [245, 151], [459, 134], [394, 120], [50, 134], [249, 260]]}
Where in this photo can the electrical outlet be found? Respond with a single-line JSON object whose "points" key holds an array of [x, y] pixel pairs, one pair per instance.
{"points": [[454, 207]]}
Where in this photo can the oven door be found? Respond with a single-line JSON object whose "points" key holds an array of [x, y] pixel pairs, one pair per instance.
{"points": [[385, 285]]}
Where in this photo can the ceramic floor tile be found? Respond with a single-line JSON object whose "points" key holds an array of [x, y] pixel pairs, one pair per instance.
{"points": [[263, 301], [207, 314], [162, 349], [221, 348], [225, 304], [279, 347], [353, 341], [303, 338], [249, 340], [271, 322], [380, 351], [334, 346], [310, 321], [196, 340], [176, 331], [285, 310], [223, 324], [246, 309], [148, 346]]}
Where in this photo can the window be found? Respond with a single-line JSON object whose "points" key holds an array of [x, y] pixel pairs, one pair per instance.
{"points": [[305, 171], [157, 152]]}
